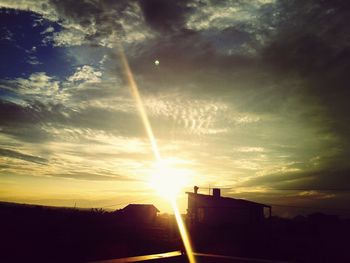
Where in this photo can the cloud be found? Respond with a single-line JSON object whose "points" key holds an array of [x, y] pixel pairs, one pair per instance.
{"points": [[328, 179], [41, 7], [18, 155], [165, 16], [250, 149], [101, 23], [88, 22], [35, 104], [262, 84], [211, 15], [38, 86], [91, 176], [192, 115], [87, 74], [48, 30], [71, 37], [26, 122], [310, 42]]}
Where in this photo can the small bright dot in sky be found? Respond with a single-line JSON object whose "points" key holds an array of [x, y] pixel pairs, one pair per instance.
{"points": [[156, 62]]}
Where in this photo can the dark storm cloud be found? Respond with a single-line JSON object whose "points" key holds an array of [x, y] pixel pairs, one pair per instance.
{"points": [[160, 15], [309, 41], [27, 133], [25, 121], [84, 11], [165, 16], [331, 179], [108, 120], [106, 15], [190, 58], [186, 52], [179, 53], [18, 155], [32, 112], [14, 113], [312, 40]]}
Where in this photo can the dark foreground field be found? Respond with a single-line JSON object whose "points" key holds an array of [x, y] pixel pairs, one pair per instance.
{"points": [[46, 234]]}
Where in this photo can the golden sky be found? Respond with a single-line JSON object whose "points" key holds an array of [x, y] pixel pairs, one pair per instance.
{"points": [[246, 95]]}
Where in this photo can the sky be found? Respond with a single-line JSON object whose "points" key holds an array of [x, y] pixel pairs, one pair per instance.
{"points": [[248, 95]]}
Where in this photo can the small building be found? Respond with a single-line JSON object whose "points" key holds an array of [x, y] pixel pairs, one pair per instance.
{"points": [[215, 210], [143, 213]]}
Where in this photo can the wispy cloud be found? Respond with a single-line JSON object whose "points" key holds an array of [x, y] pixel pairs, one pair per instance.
{"points": [[86, 74], [18, 155]]}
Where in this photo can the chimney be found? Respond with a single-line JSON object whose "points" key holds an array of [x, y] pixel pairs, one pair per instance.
{"points": [[195, 188], [216, 192]]}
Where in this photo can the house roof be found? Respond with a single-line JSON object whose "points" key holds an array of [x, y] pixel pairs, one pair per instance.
{"points": [[140, 207], [223, 201]]}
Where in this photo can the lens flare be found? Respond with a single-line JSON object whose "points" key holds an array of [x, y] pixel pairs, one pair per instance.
{"points": [[183, 233], [136, 95], [167, 180], [141, 109]]}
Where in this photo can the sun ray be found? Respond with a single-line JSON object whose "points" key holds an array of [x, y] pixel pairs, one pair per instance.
{"points": [[183, 233], [141, 109], [136, 95]]}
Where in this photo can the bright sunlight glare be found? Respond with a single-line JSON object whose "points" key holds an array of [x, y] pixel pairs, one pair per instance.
{"points": [[184, 235], [168, 180]]}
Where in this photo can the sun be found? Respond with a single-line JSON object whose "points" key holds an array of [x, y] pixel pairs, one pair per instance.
{"points": [[168, 180]]}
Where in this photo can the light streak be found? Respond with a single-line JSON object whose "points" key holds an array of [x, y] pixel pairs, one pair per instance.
{"points": [[183, 232], [136, 95]]}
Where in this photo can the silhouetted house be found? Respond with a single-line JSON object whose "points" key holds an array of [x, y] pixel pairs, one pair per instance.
{"points": [[143, 213], [215, 210]]}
